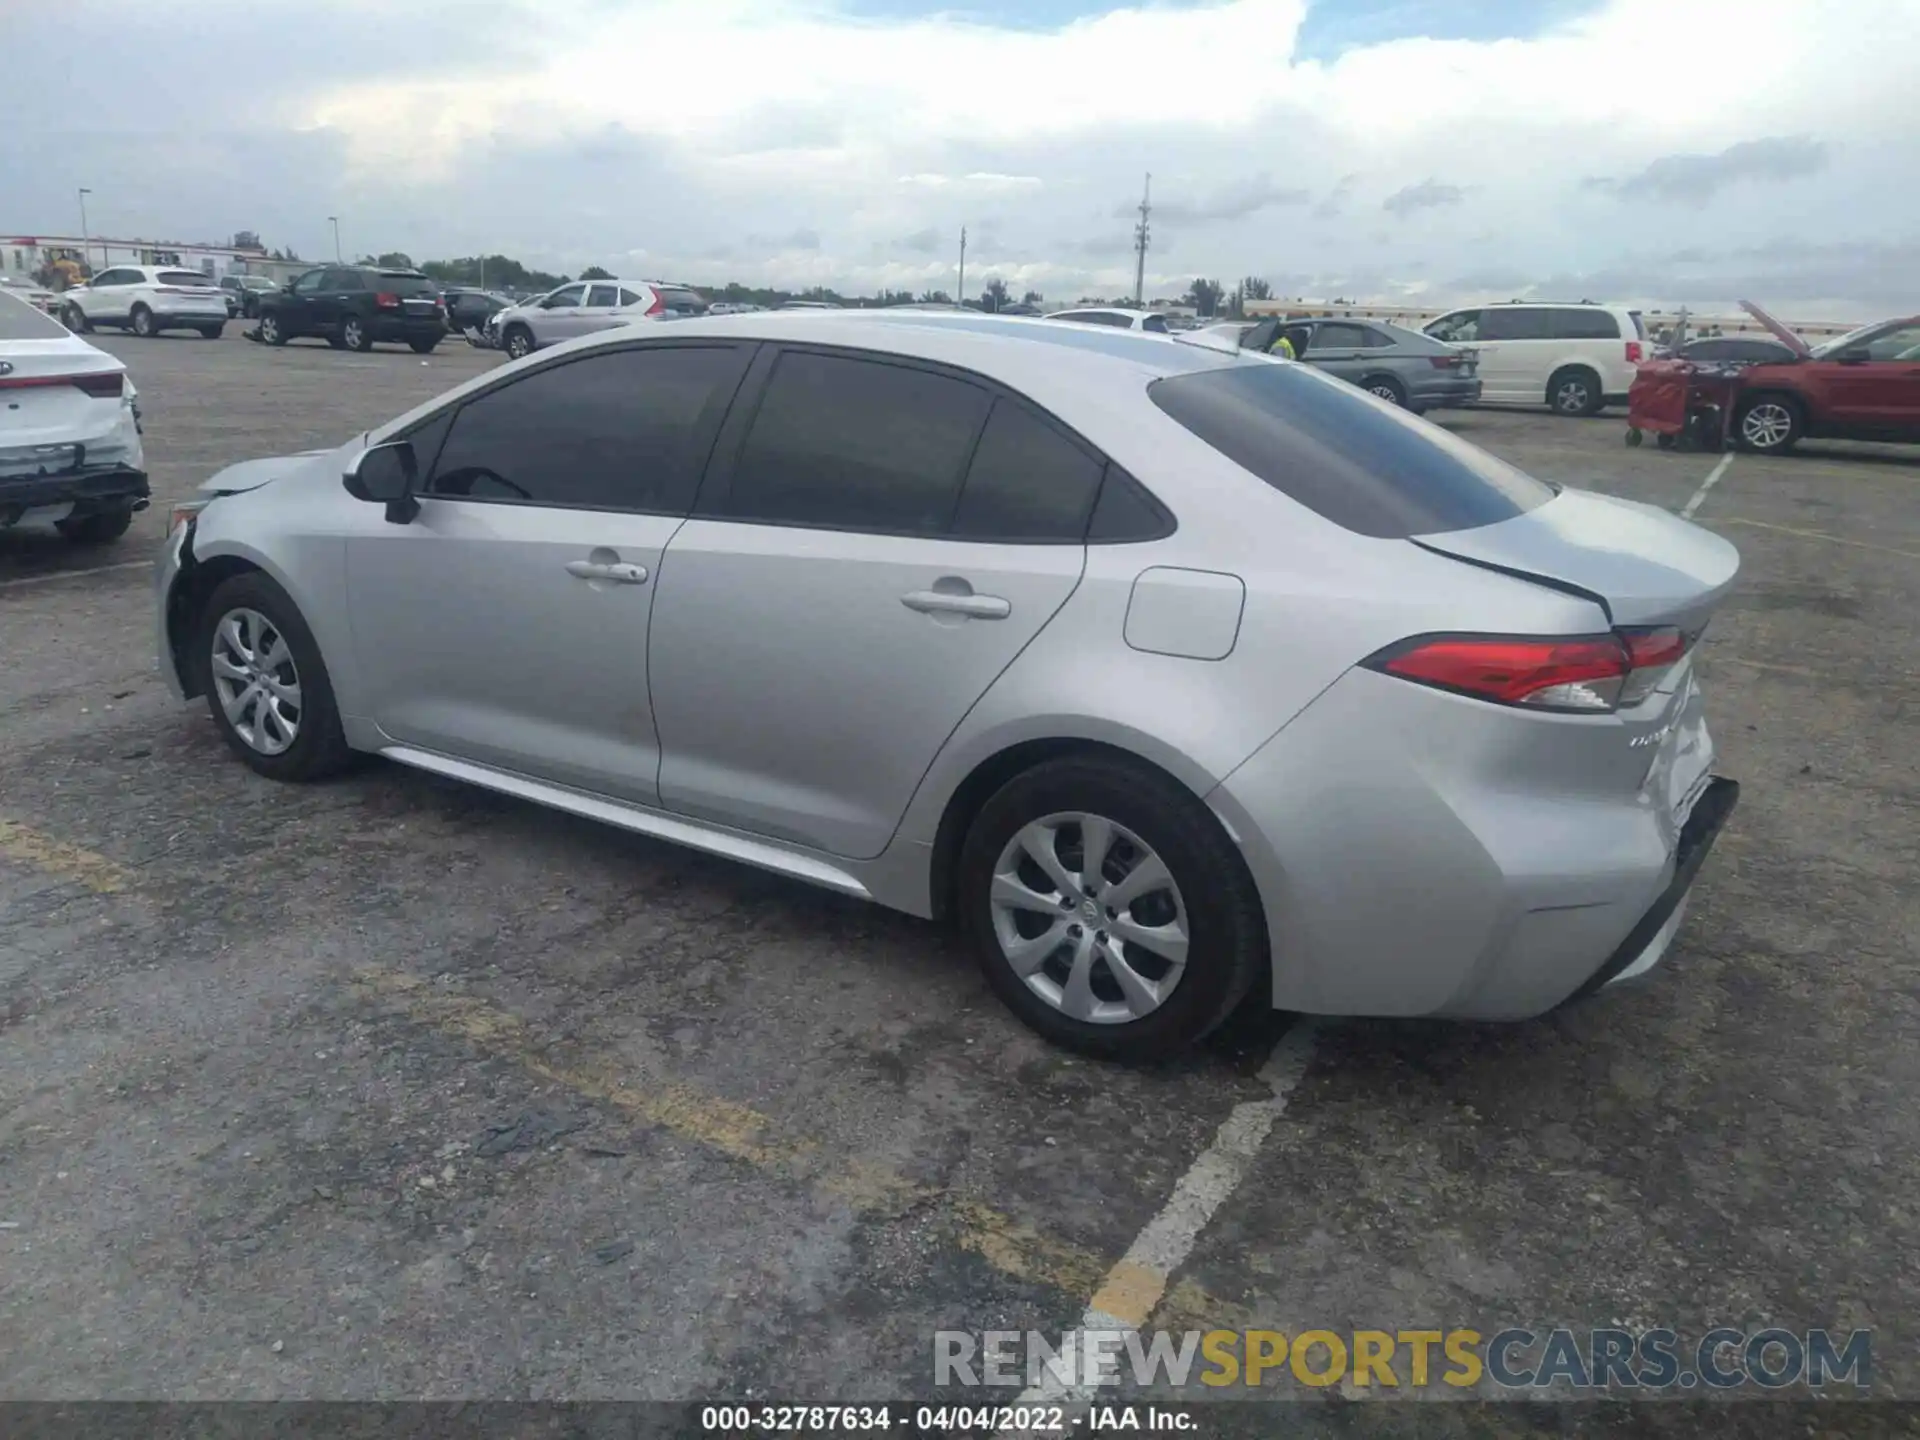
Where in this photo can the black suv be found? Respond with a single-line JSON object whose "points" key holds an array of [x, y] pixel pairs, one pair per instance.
{"points": [[352, 307]]}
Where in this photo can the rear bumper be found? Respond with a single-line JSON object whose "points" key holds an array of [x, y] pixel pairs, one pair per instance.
{"points": [[1423, 854], [1441, 393], [105, 488], [396, 327], [212, 315]]}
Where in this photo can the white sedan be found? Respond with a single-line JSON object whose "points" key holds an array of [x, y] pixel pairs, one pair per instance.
{"points": [[70, 452], [1115, 317]]}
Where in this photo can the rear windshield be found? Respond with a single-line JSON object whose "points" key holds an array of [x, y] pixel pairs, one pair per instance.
{"points": [[403, 284], [184, 277], [681, 299], [1345, 456], [20, 321]]}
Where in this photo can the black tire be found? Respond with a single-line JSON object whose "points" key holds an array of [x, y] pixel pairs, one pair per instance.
{"points": [[355, 335], [319, 747], [271, 330], [1769, 424], [1633, 436], [1387, 388], [102, 527], [248, 309], [1666, 442], [212, 332], [424, 347], [517, 342], [143, 322], [1573, 391], [337, 340], [1228, 940], [76, 320]]}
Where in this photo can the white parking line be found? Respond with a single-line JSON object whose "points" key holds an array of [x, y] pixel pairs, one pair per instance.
{"points": [[1139, 1279], [75, 574], [1713, 479]]}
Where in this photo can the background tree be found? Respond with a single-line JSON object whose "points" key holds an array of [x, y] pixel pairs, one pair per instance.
{"points": [[1254, 288], [994, 296], [1033, 298], [935, 297], [1206, 297], [594, 272]]}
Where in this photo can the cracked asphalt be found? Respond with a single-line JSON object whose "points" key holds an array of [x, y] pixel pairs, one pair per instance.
{"points": [[389, 1088]]}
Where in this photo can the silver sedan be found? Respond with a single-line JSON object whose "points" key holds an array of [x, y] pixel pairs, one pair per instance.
{"points": [[1169, 672]]}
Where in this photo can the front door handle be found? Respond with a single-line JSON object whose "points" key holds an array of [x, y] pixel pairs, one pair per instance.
{"points": [[620, 574], [978, 607]]}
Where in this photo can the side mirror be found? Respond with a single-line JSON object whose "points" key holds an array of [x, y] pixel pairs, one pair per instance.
{"points": [[386, 475], [1857, 355]]}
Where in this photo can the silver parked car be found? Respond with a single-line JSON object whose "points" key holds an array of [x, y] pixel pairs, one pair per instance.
{"points": [[1401, 366], [1170, 672], [587, 306]]}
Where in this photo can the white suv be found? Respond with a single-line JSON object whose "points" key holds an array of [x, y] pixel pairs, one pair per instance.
{"points": [[586, 306], [1573, 358], [147, 299]]}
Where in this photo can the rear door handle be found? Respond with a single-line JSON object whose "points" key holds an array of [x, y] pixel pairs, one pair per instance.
{"points": [[620, 574], [978, 607]]}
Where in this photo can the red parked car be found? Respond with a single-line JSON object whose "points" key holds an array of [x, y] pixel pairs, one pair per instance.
{"points": [[1863, 386]]}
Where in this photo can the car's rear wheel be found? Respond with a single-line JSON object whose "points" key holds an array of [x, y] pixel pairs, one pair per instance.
{"points": [[143, 322], [1574, 391], [518, 342], [265, 683], [355, 335], [1108, 909], [271, 330], [1387, 388], [1769, 425], [102, 527]]}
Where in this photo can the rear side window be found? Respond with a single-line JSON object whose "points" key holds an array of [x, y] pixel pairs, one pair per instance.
{"points": [[183, 277], [1571, 324], [1368, 469], [602, 297], [611, 431], [1155, 323], [1514, 324], [346, 280], [857, 445], [1027, 482]]}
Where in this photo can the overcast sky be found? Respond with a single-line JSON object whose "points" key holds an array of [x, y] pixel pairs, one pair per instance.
{"points": [[1648, 150]]}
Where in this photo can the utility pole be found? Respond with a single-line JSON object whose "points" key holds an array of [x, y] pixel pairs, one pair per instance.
{"points": [[1140, 244], [334, 220], [85, 243], [961, 298]]}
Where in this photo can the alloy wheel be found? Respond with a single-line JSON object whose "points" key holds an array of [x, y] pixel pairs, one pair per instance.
{"points": [[518, 345], [1571, 398], [1766, 425], [269, 329], [353, 335], [1385, 391], [1089, 918], [256, 681]]}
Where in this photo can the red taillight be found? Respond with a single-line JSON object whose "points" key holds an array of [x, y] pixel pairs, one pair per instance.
{"points": [[109, 386], [386, 301], [659, 306], [1633, 352], [1650, 654], [1444, 362], [1579, 673]]}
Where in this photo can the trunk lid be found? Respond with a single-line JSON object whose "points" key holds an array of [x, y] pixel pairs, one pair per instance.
{"points": [[1641, 564]]}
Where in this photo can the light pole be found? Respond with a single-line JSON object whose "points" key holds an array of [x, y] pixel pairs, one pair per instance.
{"points": [[334, 220], [961, 298], [86, 243]]}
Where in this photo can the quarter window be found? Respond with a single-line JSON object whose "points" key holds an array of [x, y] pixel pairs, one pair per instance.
{"points": [[857, 445], [1027, 481], [612, 431]]}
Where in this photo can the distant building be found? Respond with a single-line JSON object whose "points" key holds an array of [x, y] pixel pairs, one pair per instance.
{"points": [[25, 256]]}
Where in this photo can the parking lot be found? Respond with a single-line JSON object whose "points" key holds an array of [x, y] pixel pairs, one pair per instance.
{"points": [[389, 1087]]}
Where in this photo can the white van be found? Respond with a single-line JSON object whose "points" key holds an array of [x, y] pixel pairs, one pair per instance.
{"points": [[1573, 358]]}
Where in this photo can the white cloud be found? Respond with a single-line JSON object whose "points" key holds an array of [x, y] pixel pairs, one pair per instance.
{"points": [[582, 129]]}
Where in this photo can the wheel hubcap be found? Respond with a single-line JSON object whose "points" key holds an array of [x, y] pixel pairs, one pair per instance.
{"points": [[517, 346], [1573, 396], [1089, 918], [1386, 392], [1767, 425], [353, 334], [255, 681]]}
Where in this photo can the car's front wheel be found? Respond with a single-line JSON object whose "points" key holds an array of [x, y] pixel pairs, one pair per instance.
{"points": [[1769, 425], [518, 341], [1108, 909], [265, 682]]}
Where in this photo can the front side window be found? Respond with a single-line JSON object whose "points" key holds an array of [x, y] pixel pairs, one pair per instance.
{"points": [[857, 445], [309, 283], [565, 299], [1028, 482], [615, 430], [1462, 325], [1900, 343]]}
